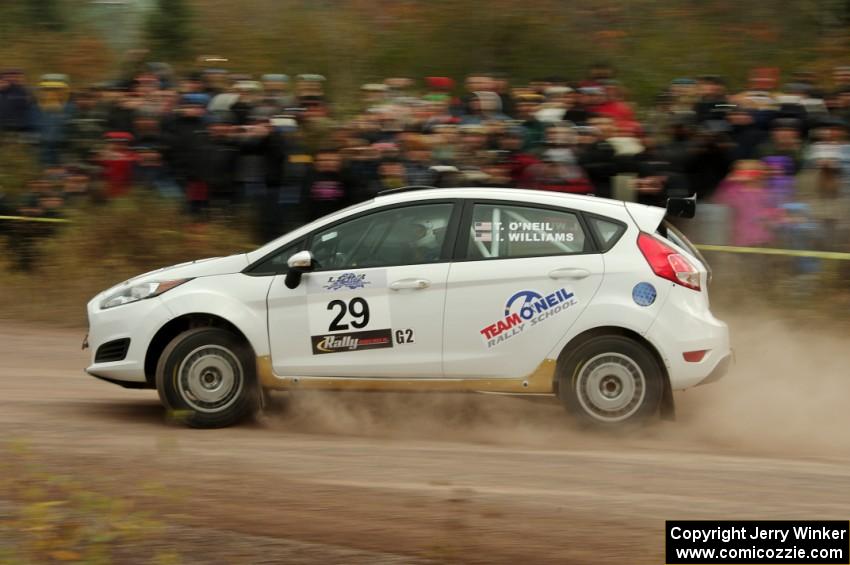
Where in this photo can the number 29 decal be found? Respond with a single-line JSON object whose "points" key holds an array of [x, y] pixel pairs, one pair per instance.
{"points": [[358, 309], [355, 314]]}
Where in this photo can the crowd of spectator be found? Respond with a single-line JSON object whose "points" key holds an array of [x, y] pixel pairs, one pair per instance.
{"points": [[775, 156]]}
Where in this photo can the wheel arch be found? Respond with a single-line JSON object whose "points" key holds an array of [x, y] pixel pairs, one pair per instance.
{"points": [[175, 327], [667, 407]]}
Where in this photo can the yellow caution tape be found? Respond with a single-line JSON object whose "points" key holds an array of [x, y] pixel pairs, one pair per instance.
{"points": [[834, 255], [34, 219]]}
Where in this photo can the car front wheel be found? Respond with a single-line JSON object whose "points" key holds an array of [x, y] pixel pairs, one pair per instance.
{"points": [[611, 381], [206, 379]]}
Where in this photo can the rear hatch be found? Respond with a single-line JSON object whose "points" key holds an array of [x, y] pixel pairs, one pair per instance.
{"points": [[654, 220], [672, 234]]}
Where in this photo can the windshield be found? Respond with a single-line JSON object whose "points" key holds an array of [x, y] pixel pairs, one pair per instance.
{"points": [[298, 232]]}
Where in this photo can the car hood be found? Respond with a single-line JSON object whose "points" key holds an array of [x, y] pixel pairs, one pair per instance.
{"points": [[189, 270], [198, 268]]}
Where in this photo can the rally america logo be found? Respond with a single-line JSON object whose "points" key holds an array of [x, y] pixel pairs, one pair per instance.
{"points": [[526, 309], [353, 341], [351, 281]]}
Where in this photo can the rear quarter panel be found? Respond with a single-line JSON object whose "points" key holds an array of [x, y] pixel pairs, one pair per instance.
{"points": [[614, 304]]}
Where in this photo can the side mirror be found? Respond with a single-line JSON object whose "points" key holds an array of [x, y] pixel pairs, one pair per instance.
{"points": [[300, 263]]}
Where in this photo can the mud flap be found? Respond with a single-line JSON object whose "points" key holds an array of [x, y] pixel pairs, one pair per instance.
{"points": [[668, 407]]}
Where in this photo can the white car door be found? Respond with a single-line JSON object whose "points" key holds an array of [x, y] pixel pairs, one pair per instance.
{"points": [[526, 274], [373, 306]]}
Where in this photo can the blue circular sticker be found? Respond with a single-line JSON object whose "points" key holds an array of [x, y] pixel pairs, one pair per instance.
{"points": [[644, 294]]}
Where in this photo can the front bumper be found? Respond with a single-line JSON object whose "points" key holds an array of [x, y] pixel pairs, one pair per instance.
{"points": [[125, 384], [139, 322]]}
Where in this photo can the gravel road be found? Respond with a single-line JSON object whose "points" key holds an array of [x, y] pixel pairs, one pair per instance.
{"points": [[423, 478]]}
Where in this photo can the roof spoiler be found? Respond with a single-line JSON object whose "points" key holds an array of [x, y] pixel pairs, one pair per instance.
{"points": [[682, 207]]}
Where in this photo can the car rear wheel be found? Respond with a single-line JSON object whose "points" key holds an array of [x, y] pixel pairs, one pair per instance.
{"points": [[205, 378], [611, 381]]}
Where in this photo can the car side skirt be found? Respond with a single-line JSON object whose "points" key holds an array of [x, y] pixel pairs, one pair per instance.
{"points": [[539, 381]]}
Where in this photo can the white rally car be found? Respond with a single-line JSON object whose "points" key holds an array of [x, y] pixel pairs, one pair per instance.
{"points": [[598, 302]]}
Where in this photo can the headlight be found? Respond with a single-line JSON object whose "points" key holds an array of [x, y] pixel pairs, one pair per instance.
{"points": [[140, 291]]}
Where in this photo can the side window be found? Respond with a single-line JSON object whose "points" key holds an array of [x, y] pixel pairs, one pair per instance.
{"points": [[608, 232], [398, 236], [501, 231], [276, 264]]}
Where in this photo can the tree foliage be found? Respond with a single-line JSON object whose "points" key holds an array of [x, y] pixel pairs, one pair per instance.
{"points": [[27, 16], [45, 14], [648, 42], [168, 30]]}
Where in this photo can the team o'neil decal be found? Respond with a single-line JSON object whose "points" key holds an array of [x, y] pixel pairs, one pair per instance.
{"points": [[351, 341], [644, 294], [526, 309]]}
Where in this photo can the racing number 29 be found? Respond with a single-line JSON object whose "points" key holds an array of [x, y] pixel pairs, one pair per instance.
{"points": [[357, 307]]}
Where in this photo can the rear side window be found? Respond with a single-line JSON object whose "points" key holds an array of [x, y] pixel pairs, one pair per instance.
{"points": [[500, 231], [608, 232]]}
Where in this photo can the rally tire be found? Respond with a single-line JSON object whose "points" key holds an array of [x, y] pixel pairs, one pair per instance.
{"points": [[206, 379], [611, 382]]}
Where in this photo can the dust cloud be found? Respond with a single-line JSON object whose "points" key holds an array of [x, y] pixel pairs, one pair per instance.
{"points": [[787, 395], [479, 418]]}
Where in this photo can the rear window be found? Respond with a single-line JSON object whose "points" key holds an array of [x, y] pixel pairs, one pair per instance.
{"points": [[607, 231], [668, 230]]}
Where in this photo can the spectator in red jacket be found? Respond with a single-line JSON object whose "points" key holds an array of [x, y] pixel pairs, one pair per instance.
{"points": [[518, 161], [116, 160], [614, 106]]}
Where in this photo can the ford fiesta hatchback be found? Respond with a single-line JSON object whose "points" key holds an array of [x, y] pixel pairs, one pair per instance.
{"points": [[597, 302]]}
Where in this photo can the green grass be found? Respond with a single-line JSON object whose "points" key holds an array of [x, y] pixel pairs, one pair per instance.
{"points": [[49, 517]]}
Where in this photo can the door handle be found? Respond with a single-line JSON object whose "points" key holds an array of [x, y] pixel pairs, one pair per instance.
{"points": [[415, 284], [569, 273]]}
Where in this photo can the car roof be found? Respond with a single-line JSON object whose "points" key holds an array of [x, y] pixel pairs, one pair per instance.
{"points": [[519, 194]]}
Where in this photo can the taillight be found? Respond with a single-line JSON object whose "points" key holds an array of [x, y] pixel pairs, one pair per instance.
{"points": [[667, 263]]}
